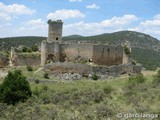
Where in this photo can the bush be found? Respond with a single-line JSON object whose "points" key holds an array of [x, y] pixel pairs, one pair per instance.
{"points": [[36, 81], [29, 50], [127, 50], [156, 80], [94, 77], [26, 49], [34, 48], [46, 75], [14, 88], [29, 68], [137, 79], [107, 89], [133, 62]]}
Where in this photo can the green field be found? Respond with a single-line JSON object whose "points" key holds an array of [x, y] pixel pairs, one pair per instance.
{"points": [[85, 99]]}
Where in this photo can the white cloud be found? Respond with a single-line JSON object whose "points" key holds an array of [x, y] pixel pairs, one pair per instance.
{"points": [[108, 25], [151, 27], [16, 9], [92, 6], [7, 12], [4, 16], [36, 22], [65, 14], [119, 21], [35, 26], [157, 16], [75, 0]]}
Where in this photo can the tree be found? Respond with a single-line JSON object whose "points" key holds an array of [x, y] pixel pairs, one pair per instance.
{"points": [[14, 88], [127, 50], [34, 48]]}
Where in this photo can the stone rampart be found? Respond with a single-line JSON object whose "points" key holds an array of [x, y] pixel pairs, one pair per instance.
{"points": [[107, 55], [73, 52], [22, 59]]}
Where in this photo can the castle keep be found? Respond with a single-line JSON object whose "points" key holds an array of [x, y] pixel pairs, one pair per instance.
{"points": [[53, 49]]}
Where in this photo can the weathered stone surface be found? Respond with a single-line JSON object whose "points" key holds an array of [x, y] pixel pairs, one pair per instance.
{"points": [[66, 67], [22, 59], [50, 52], [107, 55], [71, 76], [71, 71], [55, 31]]}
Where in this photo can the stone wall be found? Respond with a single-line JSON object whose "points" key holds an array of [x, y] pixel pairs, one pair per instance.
{"points": [[76, 52], [23, 59], [107, 55], [50, 51], [86, 70], [67, 67], [117, 70]]}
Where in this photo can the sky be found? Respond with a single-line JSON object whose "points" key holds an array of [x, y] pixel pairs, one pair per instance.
{"points": [[82, 17]]}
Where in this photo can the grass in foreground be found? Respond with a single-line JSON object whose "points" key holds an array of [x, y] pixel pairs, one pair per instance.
{"points": [[86, 100]]}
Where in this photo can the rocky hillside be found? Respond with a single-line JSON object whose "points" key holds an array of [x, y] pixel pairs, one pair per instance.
{"points": [[134, 39], [145, 49]]}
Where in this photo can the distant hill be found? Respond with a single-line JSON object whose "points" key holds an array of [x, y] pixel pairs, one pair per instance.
{"points": [[145, 49], [7, 43]]}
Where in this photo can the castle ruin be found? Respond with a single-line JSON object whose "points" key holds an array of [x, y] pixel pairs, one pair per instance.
{"points": [[108, 60], [53, 49]]}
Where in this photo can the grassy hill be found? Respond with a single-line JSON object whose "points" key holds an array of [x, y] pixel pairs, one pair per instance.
{"points": [[145, 49]]}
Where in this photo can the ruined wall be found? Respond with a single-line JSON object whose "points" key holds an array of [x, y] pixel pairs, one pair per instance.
{"points": [[86, 70], [126, 59], [117, 70], [107, 55], [23, 59], [76, 52], [50, 51]]}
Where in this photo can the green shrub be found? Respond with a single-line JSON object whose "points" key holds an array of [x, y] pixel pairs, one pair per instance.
{"points": [[29, 68], [46, 75], [14, 88], [133, 62], [29, 49], [107, 89], [36, 81], [26, 49], [156, 80], [127, 50], [137, 79], [34, 48], [94, 77]]}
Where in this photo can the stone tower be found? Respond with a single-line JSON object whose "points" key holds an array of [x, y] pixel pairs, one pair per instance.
{"points": [[55, 31], [50, 48]]}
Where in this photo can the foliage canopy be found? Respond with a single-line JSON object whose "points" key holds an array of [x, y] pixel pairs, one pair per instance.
{"points": [[14, 88]]}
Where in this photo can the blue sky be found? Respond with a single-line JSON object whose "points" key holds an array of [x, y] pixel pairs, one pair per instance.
{"points": [[83, 17]]}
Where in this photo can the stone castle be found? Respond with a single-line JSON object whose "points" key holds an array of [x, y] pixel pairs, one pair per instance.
{"points": [[105, 59], [53, 49]]}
